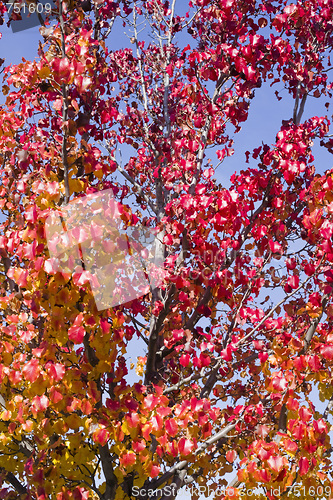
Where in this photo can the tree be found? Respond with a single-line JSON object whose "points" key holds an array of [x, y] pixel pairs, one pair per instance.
{"points": [[239, 333]]}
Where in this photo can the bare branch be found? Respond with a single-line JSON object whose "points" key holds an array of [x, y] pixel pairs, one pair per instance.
{"points": [[64, 109], [10, 478], [313, 327], [130, 179], [142, 80], [328, 408]]}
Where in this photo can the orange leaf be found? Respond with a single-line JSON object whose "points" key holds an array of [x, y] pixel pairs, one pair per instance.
{"points": [[231, 456], [101, 436], [128, 459]]}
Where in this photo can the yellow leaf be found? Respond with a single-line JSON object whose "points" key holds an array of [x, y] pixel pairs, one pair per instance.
{"points": [[73, 421], [76, 185], [125, 428], [44, 72]]}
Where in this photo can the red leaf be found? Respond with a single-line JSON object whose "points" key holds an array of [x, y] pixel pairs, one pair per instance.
{"points": [[157, 423], [155, 470], [62, 69], [150, 402], [55, 395], [304, 414], [293, 281], [80, 494], [303, 466], [320, 426], [40, 403], [138, 445], [185, 446], [132, 420], [290, 445], [101, 436], [56, 371], [86, 407], [184, 359], [128, 459], [327, 352], [76, 333], [171, 427], [231, 455], [265, 475]]}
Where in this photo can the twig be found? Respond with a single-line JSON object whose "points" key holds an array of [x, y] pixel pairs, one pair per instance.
{"points": [[19, 487], [64, 109]]}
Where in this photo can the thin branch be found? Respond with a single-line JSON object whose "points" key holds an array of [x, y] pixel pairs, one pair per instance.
{"points": [[138, 331], [139, 323], [64, 109], [269, 314], [130, 179], [142, 80], [10, 478], [202, 373], [328, 408], [312, 330], [184, 463], [187, 380]]}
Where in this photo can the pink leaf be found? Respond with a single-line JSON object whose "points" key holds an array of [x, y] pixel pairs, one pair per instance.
{"points": [[185, 446], [76, 332], [171, 427], [31, 370], [275, 463], [327, 352], [56, 371]]}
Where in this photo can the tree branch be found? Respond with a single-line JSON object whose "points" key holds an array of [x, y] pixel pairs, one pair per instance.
{"points": [[155, 483], [313, 327], [64, 110], [130, 179], [10, 478], [328, 408], [110, 478]]}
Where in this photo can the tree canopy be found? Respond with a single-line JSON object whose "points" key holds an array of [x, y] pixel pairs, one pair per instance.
{"points": [[231, 385]]}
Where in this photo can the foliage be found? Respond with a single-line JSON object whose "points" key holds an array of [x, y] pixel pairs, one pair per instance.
{"points": [[240, 333]]}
